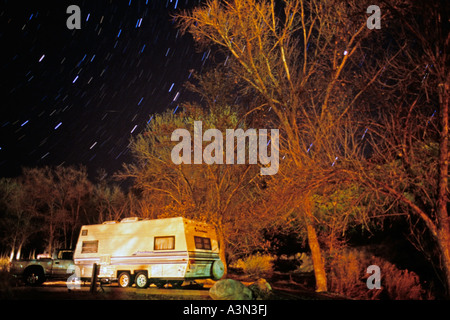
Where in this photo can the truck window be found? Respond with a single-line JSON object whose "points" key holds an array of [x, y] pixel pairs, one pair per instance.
{"points": [[202, 243], [89, 246], [65, 255], [165, 243]]}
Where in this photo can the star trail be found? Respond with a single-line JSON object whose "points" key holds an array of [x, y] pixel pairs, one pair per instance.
{"points": [[77, 96]]}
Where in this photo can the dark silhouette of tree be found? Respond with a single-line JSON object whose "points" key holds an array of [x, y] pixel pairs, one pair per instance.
{"points": [[17, 221], [407, 125], [54, 198]]}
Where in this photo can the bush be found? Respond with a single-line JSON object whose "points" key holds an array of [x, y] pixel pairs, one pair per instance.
{"points": [[257, 265], [6, 280], [306, 263], [402, 284], [4, 264], [348, 277]]}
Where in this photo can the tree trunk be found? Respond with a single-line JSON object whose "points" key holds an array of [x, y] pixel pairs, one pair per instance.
{"points": [[222, 251], [444, 248], [314, 246], [50, 240], [443, 233], [75, 223], [19, 251], [11, 256]]}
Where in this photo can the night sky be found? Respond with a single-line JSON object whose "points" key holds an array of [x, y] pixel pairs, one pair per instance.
{"points": [[77, 96]]}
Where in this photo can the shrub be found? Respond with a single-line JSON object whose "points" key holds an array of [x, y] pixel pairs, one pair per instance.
{"points": [[402, 284], [257, 265], [306, 263], [4, 263], [6, 280], [348, 277]]}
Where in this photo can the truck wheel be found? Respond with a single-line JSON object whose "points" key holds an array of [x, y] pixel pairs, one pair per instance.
{"points": [[34, 276], [141, 280], [124, 280]]}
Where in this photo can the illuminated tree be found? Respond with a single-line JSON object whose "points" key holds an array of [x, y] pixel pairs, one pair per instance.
{"points": [[203, 192], [298, 56]]}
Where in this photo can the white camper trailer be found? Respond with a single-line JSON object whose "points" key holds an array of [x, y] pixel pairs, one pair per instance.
{"points": [[143, 252]]}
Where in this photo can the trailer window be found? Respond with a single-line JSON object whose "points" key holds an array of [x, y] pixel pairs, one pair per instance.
{"points": [[89, 246], [202, 243], [165, 243]]}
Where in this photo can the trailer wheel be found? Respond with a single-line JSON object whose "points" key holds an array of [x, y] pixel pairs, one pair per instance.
{"points": [[124, 279], [141, 280]]}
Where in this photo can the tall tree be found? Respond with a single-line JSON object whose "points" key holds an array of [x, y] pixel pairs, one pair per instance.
{"points": [[298, 56], [207, 192], [17, 223], [110, 202], [58, 195]]}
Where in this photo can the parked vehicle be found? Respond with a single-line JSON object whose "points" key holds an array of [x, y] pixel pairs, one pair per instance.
{"points": [[44, 268], [143, 252]]}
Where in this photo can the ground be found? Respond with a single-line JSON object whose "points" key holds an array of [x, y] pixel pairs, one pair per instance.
{"points": [[284, 288]]}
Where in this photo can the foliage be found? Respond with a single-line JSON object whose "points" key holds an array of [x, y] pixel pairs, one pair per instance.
{"points": [[363, 117], [306, 264], [4, 263], [297, 57], [348, 277], [212, 193], [310, 63], [256, 265], [338, 211], [43, 208]]}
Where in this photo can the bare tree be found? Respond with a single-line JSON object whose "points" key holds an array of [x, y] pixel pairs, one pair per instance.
{"points": [[409, 136], [56, 197], [75, 189], [17, 221], [110, 202]]}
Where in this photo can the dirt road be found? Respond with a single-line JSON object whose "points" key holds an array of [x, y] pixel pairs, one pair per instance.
{"points": [[59, 291]]}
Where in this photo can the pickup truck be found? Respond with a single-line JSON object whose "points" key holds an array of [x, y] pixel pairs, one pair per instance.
{"points": [[59, 266]]}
